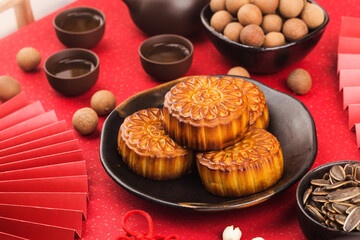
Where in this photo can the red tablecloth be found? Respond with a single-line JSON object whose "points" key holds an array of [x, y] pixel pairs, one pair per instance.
{"points": [[121, 73]]}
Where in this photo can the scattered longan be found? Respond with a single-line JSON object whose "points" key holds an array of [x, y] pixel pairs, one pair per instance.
{"points": [[294, 29], [103, 102], [271, 23], [266, 6], [252, 35], [28, 58], [249, 14], [9, 88], [217, 5], [239, 71], [220, 19], [291, 8], [274, 39], [234, 5], [85, 121], [299, 81], [312, 15], [232, 31]]}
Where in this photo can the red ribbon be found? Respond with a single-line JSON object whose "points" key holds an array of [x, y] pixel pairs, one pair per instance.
{"points": [[132, 235]]}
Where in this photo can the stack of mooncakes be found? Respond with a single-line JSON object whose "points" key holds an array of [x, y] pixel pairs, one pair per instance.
{"points": [[217, 123]]}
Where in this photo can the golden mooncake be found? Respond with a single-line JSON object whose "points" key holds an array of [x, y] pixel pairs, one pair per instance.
{"points": [[259, 112], [206, 113], [249, 166], [148, 150]]}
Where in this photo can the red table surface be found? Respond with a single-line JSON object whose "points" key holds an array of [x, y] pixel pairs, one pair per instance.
{"points": [[122, 74]]}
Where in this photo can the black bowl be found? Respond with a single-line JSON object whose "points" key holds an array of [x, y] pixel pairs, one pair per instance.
{"points": [[311, 228], [290, 122], [259, 59]]}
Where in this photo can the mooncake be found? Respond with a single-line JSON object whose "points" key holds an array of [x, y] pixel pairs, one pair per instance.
{"points": [[206, 113], [249, 166], [149, 151]]}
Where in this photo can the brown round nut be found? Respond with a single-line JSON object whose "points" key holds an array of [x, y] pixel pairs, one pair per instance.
{"points": [[28, 58], [232, 31], [85, 121], [294, 29], [249, 14], [220, 19], [103, 102], [312, 15], [291, 8], [9, 88], [271, 23], [274, 39], [217, 5], [239, 71], [252, 35], [266, 6], [299, 81], [234, 5]]}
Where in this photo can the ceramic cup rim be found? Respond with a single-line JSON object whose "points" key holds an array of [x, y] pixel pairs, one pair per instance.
{"points": [[71, 50], [189, 46], [69, 10]]}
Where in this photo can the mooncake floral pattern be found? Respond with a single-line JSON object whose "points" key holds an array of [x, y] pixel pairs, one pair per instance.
{"points": [[256, 144], [206, 98], [144, 131]]}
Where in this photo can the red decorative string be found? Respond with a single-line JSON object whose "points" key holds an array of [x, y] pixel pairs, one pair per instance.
{"points": [[132, 235]]}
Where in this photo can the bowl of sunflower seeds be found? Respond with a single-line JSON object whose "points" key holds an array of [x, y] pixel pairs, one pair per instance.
{"points": [[328, 201]]}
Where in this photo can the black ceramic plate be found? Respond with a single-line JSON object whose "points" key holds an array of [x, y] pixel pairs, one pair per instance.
{"points": [[290, 122]]}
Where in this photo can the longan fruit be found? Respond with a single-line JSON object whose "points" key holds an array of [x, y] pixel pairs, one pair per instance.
{"points": [[271, 23], [266, 6], [274, 39], [28, 58], [232, 31], [220, 19], [239, 71], [249, 14], [103, 102], [294, 29], [9, 88], [85, 121], [252, 35], [217, 5], [299, 81], [291, 8], [312, 15], [234, 5]]}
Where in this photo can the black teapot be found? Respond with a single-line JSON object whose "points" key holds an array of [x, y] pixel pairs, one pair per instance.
{"points": [[153, 17]]}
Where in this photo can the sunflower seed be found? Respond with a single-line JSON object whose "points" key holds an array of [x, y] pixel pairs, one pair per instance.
{"points": [[349, 169], [349, 210], [343, 194], [340, 218], [340, 207], [329, 208], [320, 182], [320, 191], [357, 174], [341, 184], [352, 220], [337, 173], [326, 176], [331, 216], [335, 225], [307, 193], [315, 213], [320, 199]]}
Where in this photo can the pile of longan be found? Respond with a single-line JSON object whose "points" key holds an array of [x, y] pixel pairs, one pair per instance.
{"points": [[265, 23]]}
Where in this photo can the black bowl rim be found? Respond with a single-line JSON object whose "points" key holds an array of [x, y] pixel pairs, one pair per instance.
{"points": [[174, 36], [68, 50], [263, 49], [201, 208], [74, 9], [299, 195]]}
